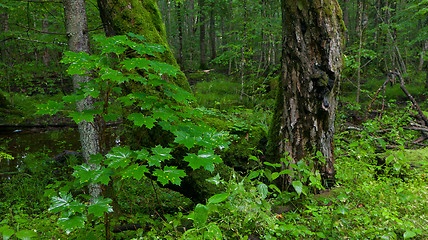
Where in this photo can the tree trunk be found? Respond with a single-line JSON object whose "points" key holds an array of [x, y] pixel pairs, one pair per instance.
{"points": [[180, 33], [212, 32], [143, 18], [78, 41], [202, 46], [305, 109]]}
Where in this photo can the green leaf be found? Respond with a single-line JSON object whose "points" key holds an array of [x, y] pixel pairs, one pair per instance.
{"points": [[184, 138], [275, 165], [160, 154], [169, 174], [6, 231], [134, 171], [85, 115], [298, 186], [119, 157], [111, 117], [115, 44], [26, 234], [139, 120], [201, 215], [142, 154], [70, 223], [409, 234], [213, 232], [50, 107], [60, 203], [114, 75], [263, 190], [205, 158], [79, 62], [253, 174], [218, 198], [99, 206], [215, 180], [342, 210], [139, 63]]}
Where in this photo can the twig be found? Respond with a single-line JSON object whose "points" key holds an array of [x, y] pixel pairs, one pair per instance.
{"points": [[37, 30]]}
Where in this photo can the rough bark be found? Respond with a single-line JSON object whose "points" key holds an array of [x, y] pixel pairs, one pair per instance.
{"points": [[78, 41], [306, 103], [139, 17]]}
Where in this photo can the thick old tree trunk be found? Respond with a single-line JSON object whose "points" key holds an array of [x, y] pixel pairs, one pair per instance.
{"points": [[143, 18], [303, 121], [78, 41]]}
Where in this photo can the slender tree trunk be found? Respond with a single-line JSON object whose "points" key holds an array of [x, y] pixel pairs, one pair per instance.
{"points": [[180, 33], [202, 46], [305, 109], [78, 41], [362, 23], [212, 32]]}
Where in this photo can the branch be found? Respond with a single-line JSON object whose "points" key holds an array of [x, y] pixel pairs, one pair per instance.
{"points": [[36, 30], [34, 1], [37, 41]]}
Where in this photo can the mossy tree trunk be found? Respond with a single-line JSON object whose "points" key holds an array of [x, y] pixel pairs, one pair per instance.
{"points": [[140, 17], [303, 121]]}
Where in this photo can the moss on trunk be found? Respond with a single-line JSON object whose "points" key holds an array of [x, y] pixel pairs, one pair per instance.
{"points": [[143, 18]]}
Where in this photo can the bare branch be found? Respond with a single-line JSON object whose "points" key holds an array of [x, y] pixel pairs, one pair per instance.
{"points": [[37, 41], [36, 30], [34, 1]]}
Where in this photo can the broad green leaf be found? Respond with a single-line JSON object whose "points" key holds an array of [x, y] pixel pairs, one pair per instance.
{"points": [[85, 174], [139, 63], [169, 174], [6, 232], [205, 158], [201, 215], [96, 159], [342, 210], [26, 234], [215, 180], [71, 223], [114, 75], [85, 115], [50, 107], [165, 114], [118, 157], [99, 206], [409, 234], [213, 232], [298, 186], [218, 198], [111, 117], [159, 154], [60, 203], [127, 100], [142, 154], [253, 174], [263, 190], [139, 120], [134, 171], [184, 138], [116, 44]]}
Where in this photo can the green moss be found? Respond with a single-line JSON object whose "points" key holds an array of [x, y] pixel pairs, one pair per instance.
{"points": [[143, 18]]}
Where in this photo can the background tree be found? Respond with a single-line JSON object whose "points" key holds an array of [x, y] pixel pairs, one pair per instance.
{"points": [[306, 103]]}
